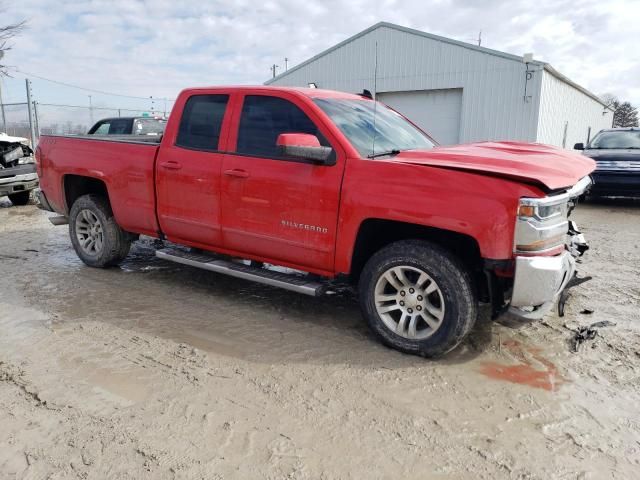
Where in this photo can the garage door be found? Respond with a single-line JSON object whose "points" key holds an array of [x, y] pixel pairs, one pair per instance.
{"points": [[435, 111]]}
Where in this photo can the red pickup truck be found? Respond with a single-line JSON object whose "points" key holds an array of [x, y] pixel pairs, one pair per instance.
{"points": [[330, 185]]}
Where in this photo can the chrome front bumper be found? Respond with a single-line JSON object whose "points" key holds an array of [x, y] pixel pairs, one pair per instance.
{"points": [[539, 280], [538, 283]]}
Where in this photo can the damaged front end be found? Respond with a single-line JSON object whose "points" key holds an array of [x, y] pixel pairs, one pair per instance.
{"points": [[547, 246], [17, 166]]}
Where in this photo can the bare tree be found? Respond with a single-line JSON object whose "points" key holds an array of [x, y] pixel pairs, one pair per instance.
{"points": [[7, 32], [609, 99], [624, 114]]}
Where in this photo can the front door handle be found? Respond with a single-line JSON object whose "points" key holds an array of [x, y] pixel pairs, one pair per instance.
{"points": [[237, 173], [171, 165]]}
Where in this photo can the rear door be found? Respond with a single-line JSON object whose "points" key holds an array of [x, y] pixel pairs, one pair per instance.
{"points": [[188, 172], [276, 207]]}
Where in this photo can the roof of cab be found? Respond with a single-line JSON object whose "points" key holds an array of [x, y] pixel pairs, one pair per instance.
{"points": [[308, 92]]}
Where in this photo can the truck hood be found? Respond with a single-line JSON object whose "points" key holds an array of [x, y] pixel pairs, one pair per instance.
{"points": [[550, 167]]}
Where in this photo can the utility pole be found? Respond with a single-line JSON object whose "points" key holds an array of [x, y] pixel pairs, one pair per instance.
{"points": [[165, 107], [273, 69], [480, 38], [90, 110], [286, 64], [37, 120], [30, 112], [4, 118]]}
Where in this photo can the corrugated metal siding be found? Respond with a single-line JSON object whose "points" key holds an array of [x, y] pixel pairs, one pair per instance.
{"points": [[493, 106], [435, 111], [563, 104]]}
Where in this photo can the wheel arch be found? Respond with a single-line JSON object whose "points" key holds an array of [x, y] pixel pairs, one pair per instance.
{"points": [[376, 233], [75, 186]]}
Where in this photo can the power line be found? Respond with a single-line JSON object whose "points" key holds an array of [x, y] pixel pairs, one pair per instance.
{"points": [[85, 107], [102, 92]]}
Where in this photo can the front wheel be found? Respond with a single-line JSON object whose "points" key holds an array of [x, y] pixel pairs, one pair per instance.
{"points": [[95, 235], [418, 298]]}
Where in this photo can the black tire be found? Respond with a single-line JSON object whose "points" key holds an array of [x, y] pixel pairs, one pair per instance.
{"points": [[115, 241], [456, 294], [20, 198]]}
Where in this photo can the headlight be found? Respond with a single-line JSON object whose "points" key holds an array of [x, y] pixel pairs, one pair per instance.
{"points": [[541, 225]]}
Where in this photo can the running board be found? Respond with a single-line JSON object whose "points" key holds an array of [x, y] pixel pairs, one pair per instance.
{"points": [[213, 263]]}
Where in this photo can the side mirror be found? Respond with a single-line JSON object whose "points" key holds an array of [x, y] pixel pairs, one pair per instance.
{"points": [[578, 146], [303, 146]]}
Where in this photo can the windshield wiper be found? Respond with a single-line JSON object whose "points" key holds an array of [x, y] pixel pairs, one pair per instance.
{"points": [[382, 154]]}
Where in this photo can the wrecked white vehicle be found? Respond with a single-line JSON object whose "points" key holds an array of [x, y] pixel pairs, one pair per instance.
{"points": [[17, 169]]}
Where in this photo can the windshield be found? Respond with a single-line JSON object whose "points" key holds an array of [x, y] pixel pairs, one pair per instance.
{"points": [[355, 120], [616, 139]]}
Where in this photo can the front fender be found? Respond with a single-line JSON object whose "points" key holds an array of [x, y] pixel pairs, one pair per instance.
{"points": [[479, 206]]}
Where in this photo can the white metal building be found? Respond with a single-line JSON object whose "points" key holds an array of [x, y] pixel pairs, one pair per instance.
{"points": [[456, 91]]}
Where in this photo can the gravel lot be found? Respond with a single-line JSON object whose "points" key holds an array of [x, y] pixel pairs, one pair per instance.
{"points": [[155, 370]]}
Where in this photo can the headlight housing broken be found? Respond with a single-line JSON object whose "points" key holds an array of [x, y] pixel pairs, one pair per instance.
{"points": [[541, 225]]}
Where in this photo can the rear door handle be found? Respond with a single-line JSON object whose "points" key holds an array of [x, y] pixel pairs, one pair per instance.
{"points": [[171, 165], [237, 173]]}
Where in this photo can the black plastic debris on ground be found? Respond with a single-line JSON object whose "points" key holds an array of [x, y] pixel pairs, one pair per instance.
{"points": [[564, 295], [588, 333]]}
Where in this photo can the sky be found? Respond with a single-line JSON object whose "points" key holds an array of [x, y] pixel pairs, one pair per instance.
{"points": [[156, 48]]}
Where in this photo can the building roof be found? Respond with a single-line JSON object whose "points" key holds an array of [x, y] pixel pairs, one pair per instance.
{"points": [[431, 36]]}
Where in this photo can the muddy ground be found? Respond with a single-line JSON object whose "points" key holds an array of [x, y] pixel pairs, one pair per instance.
{"points": [[155, 370]]}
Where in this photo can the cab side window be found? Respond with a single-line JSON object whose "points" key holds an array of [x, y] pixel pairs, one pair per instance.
{"points": [[201, 122], [264, 118]]}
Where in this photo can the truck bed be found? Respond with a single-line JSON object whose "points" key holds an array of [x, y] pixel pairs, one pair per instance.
{"points": [[126, 167]]}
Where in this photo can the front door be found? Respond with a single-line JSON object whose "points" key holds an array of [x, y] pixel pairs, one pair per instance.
{"points": [[188, 173], [275, 207]]}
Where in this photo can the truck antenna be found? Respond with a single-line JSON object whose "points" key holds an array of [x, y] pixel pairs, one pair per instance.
{"points": [[375, 101]]}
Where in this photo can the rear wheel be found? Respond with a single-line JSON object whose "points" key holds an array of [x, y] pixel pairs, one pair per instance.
{"points": [[418, 298], [95, 235], [20, 198]]}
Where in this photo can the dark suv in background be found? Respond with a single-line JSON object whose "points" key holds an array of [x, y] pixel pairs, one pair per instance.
{"points": [[152, 126], [617, 154]]}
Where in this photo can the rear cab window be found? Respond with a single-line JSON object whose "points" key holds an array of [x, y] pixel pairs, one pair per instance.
{"points": [[201, 122]]}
